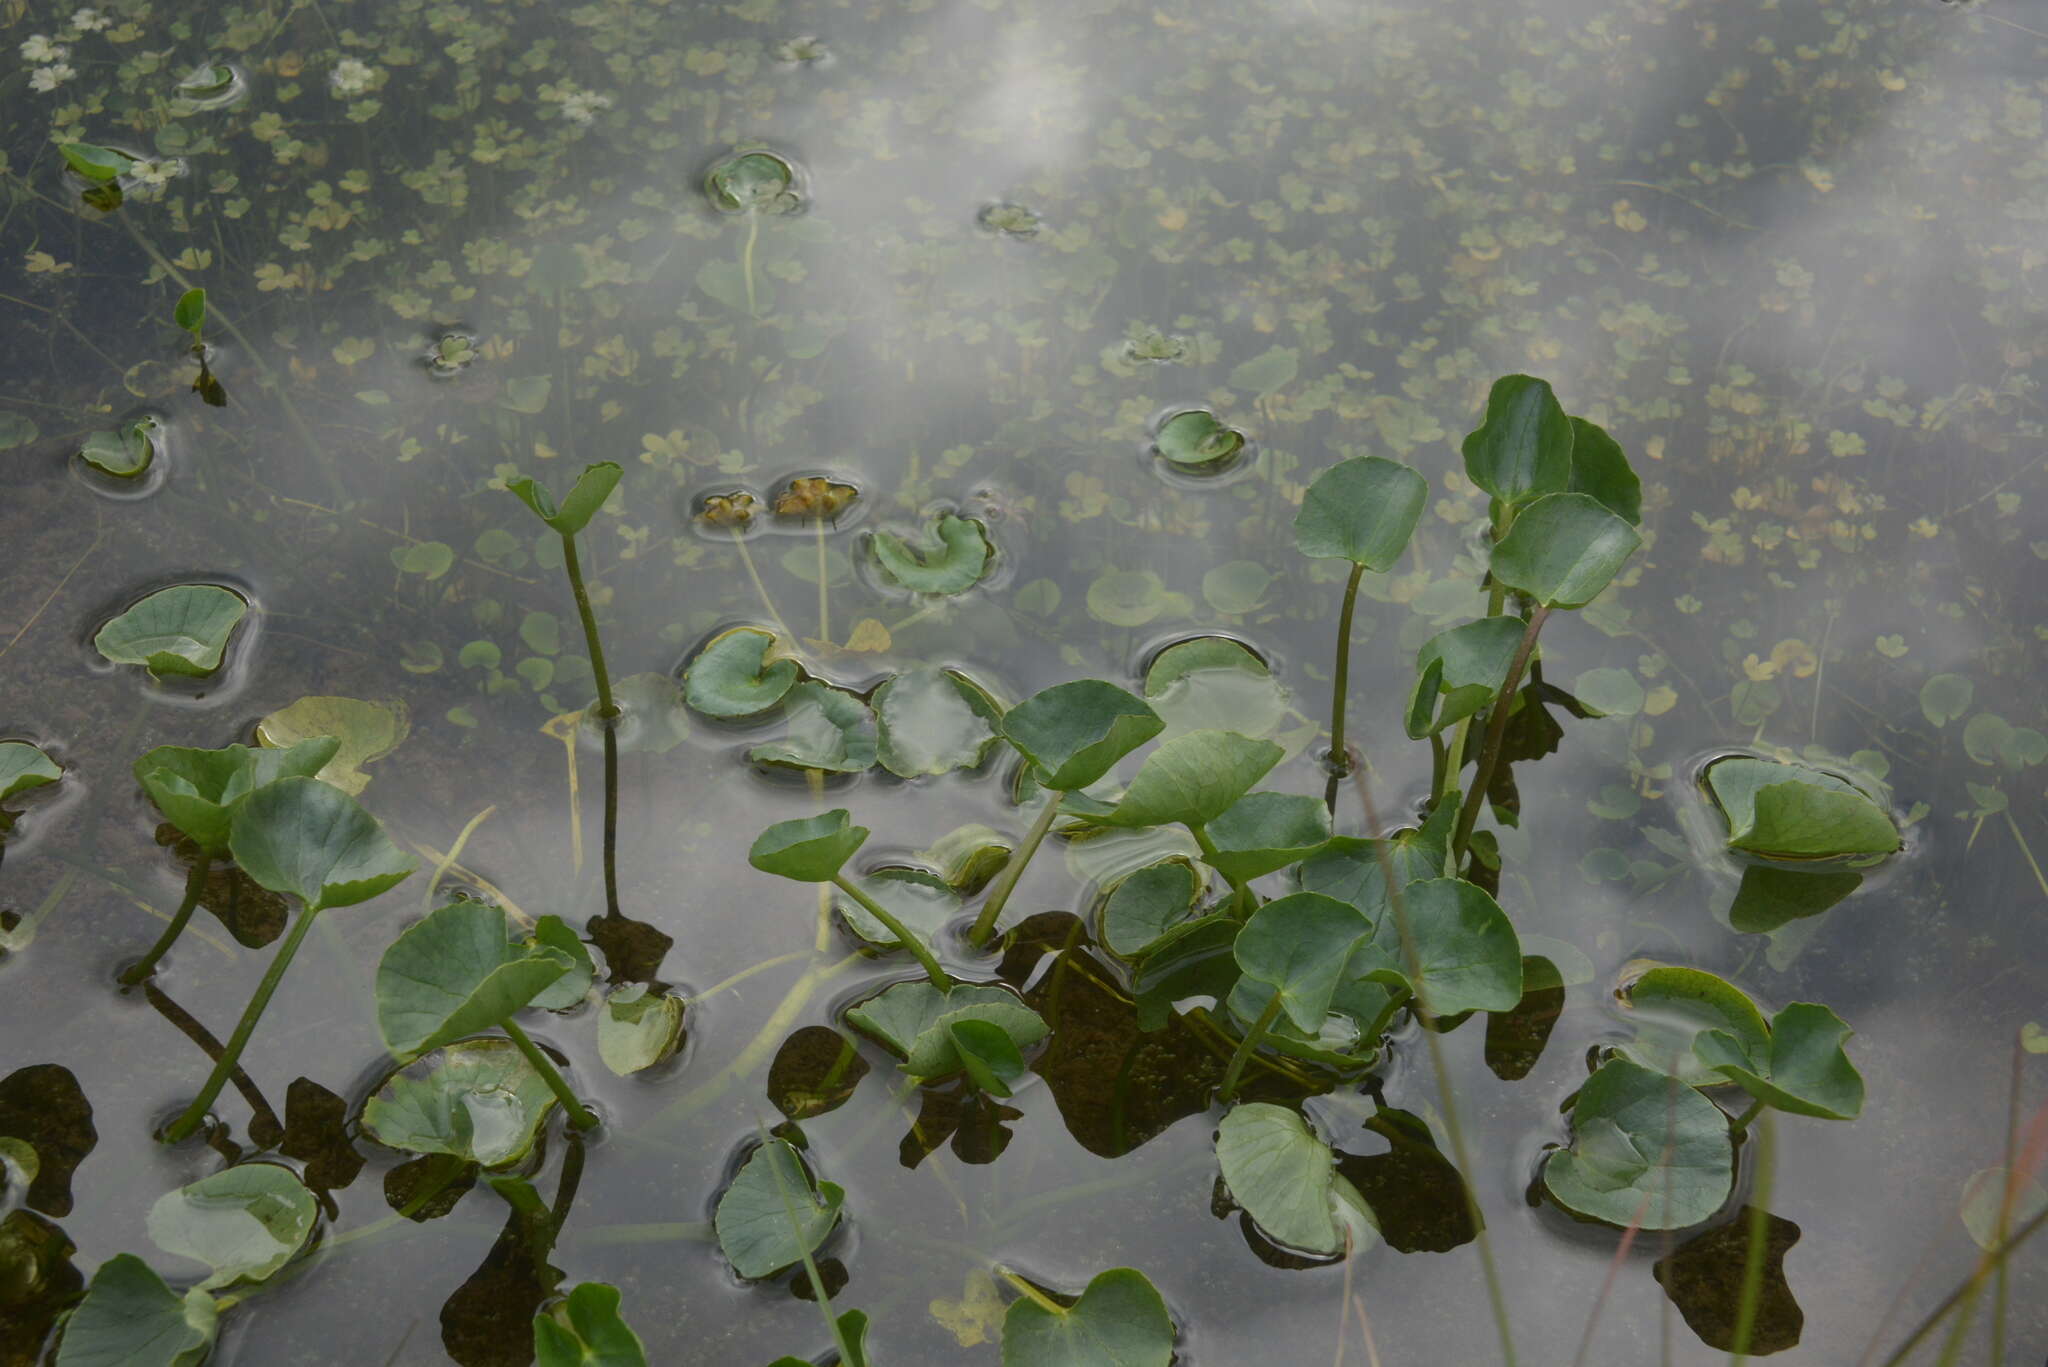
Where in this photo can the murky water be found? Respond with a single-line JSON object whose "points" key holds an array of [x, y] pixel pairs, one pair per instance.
{"points": [[1787, 254]]}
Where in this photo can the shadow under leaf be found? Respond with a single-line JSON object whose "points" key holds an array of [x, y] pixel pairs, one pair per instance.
{"points": [[43, 1106], [1703, 1278]]}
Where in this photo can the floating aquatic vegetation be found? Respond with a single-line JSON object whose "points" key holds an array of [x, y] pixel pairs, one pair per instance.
{"points": [[757, 182], [1196, 440], [182, 630]]}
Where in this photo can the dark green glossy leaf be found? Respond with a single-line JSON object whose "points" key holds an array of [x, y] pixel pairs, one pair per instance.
{"points": [[1469, 664], [731, 676], [989, 1055], [199, 791], [1804, 1070], [1362, 510], [809, 849], [954, 565], [302, 836], [1646, 1150], [1469, 956], [1119, 1321], [1523, 449], [586, 1330], [1264, 832], [456, 973], [129, 1318], [573, 986], [1563, 550], [1073, 732], [1600, 469], [183, 629]]}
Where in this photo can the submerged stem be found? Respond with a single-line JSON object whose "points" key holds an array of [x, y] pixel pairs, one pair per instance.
{"points": [[917, 947], [2027, 850], [1006, 881], [579, 1114], [1243, 1053], [747, 559], [1341, 687], [1496, 734], [223, 1067], [1759, 1243], [195, 883]]}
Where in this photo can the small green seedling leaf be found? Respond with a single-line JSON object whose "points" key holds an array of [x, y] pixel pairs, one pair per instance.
{"points": [[1671, 1006], [1795, 811], [190, 313], [1563, 550], [829, 730], [477, 1100], [199, 791], [1286, 1178], [129, 1318], [1264, 832], [302, 836], [1804, 1070], [932, 721], [1466, 948], [24, 766], [243, 1222], [456, 973], [181, 630], [592, 488], [1524, 447], [1146, 904], [1193, 779], [1600, 469], [94, 162], [1298, 945], [638, 1028], [585, 1329], [1646, 1150], [809, 849], [955, 565], [1467, 664], [1074, 732], [1361, 510], [732, 677], [773, 1214], [990, 1057], [1119, 1321]]}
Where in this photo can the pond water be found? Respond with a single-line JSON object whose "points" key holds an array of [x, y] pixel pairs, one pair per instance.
{"points": [[1789, 255]]}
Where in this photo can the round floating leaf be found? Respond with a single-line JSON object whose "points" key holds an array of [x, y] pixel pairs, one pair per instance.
{"points": [[1986, 1191], [1600, 469], [199, 791], [638, 1028], [955, 565], [1361, 510], [1147, 904], [592, 488], [1299, 945], [124, 451], [1131, 598], [1120, 1321], [829, 729], [923, 902], [456, 973], [1460, 672], [1804, 1070], [1946, 697], [303, 836], [1193, 779], [1670, 1006], [1609, 692], [367, 731], [428, 559], [1794, 811], [24, 766], [478, 1100], [933, 721], [586, 1330], [129, 1318], [772, 1214], [1524, 447], [1991, 739], [809, 849], [244, 1222], [1563, 550], [752, 182], [183, 629], [1214, 683], [1197, 438], [1268, 372], [732, 676], [94, 162], [1646, 1150], [1285, 1178], [1074, 732], [1466, 948]]}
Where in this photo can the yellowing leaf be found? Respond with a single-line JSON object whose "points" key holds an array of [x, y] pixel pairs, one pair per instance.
{"points": [[869, 636], [1660, 700], [977, 1317], [42, 263], [366, 730]]}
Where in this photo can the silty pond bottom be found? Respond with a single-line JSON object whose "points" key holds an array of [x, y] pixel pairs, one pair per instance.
{"points": [[950, 352]]}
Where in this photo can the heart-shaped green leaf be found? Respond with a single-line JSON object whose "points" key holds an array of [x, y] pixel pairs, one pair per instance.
{"points": [[1146, 904], [935, 1051], [1362, 510], [986, 1051], [183, 629], [1299, 946], [94, 162], [933, 721], [455, 973], [190, 313], [954, 565], [731, 676], [1601, 470], [586, 1330], [199, 791], [1465, 947], [303, 836], [1563, 550], [1286, 1179], [1646, 1150], [638, 1028], [477, 1100], [810, 849], [1671, 1005], [1350, 868], [1193, 779], [1795, 811], [24, 766], [1074, 732], [1524, 447], [129, 1318], [1460, 672], [829, 729], [773, 1214], [592, 488], [1803, 1070], [1120, 1321], [243, 1222]]}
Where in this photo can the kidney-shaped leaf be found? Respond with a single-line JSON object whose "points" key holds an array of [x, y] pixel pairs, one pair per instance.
{"points": [[1285, 1178], [1804, 1069], [456, 973], [303, 836], [1298, 945], [732, 677], [1524, 447], [772, 1214], [24, 766], [129, 1318], [1073, 732], [1646, 1149], [478, 1100], [586, 1330], [829, 729], [1795, 811], [933, 721], [1263, 832], [1600, 469], [199, 791], [1361, 510], [1193, 779], [954, 566], [1469, 956], [810, 849], [592, 488], [244, 1222], [1120, 1321], [183, 629]]}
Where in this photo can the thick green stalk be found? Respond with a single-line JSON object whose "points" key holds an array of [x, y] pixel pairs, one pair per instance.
{"points": [[1740, 1124], [224, 1066], [606, 708], [1496, 735], [1243, 1054], [607, 715], [1341, 688], [1006, 881], [579, 1114], [1759, 1242], [195, 883], [902, 933]]}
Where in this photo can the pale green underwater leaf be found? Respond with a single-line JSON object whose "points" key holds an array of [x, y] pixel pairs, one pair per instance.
{"points": [[1986, 1191], [456, 973], [1563, 550], [933, 721], [1119, 1321], [1804, 1070], [1362, 510], [1271, 370], [24, 766], [772, 1214], [586, 1330], [243, 1222], [1946, 697], [129, 1318], [1646, 1150], [183, 629], [731, 676], [367, 731], [302, 836], [807, 849], [828, 729], [1284, 1177], [954, 565], [17, 429], [638, 1028], [1523, 449]]}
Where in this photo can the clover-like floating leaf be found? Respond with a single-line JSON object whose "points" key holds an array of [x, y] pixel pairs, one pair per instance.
{"points": [[1563, 550], [810, 849], [638, 1028], [1074, 732], [1131, 598], [933, 721], [94, 162], [1146, 904], [302, 836], [1193, 779], [1214, 682], [244, 1222], [478, 1100], [1268, 372], [183, 629], [1196, 439], [1286, 1178], [1119, 1321], [367, 731], [828, 729], [24, 766], [752, 182], [592, 488], [1795, 811], [1460, 672], [773, 1214], [586, 1330], [123, 451], [1804, 1070], [199, 791], [129, 1318], [1646, 1150], [1991, 739], [1299, 945], [455, 973], [1361, 510], [1671, 1005], [1466, 948], [922, 901], [1601, 470], [1524, 447], [1945, 697], [732, 676], [955, 565]]}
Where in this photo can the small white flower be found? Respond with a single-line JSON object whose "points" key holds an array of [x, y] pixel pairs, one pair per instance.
{"points": [[39, 48], [581, 106], [47, 78], [351, 77], [89, 20]]}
